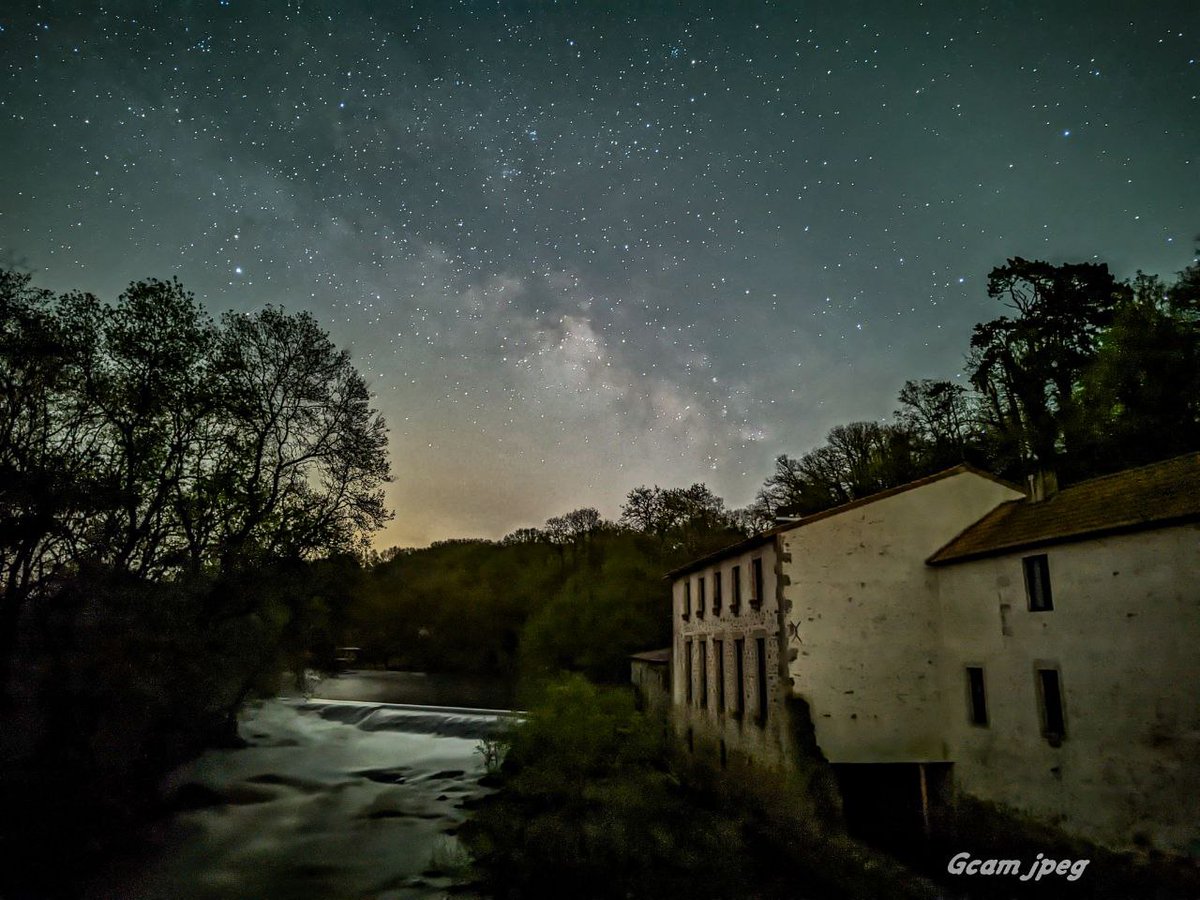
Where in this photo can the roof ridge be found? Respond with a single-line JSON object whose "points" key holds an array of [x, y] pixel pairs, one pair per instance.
{"points": [[962, 468], [1152, 495], [1123, 473]]}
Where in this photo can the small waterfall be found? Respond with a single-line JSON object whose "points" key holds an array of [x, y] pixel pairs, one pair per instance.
{"points": [[332, 798], [442, 721]]}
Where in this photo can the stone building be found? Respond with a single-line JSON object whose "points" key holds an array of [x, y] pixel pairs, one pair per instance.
{"points": [[726, 653], [1071, 657], [954, 635]]}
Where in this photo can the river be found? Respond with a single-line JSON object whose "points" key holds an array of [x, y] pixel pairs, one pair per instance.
{"points": [[356, 792]]}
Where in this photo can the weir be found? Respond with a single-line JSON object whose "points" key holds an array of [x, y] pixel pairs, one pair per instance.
{"points": [[330, 798]]}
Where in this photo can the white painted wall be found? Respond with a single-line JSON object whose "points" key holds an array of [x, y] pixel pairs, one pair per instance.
{"points": [[1125, 633], [877, 642], [864, 620]]}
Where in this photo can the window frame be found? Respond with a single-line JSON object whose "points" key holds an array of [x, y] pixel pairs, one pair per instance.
{"points": [[977, 713], [760, 582], [1041, 669], [687, 674], [739, 663], [1039, 594], [719, 657], [760, 676]]}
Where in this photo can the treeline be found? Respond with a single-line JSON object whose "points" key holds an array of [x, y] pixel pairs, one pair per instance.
{"points": [[1083, 376], [579, 594], [182, 505]]}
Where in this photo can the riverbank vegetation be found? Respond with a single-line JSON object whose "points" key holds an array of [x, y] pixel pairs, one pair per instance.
{"points": [[182, 506], [596, 801]]}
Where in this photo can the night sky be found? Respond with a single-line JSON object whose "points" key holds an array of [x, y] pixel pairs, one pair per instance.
{"points": [[581, 247]]}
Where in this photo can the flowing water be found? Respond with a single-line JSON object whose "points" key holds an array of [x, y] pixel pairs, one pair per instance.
{"points": [[332, 798]]}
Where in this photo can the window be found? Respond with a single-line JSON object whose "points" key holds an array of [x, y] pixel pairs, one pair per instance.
{"points": [[739, 669], [687, 665], [717, 592], [687, 599], [1050, 700], [756, 570], [1037, 583], [735, 582], [761, 647], [704, 674], [719, 653], [976, 696], [700, 598]]}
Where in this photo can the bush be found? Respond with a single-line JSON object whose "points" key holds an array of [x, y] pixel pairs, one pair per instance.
{"points": [[590, 807]]}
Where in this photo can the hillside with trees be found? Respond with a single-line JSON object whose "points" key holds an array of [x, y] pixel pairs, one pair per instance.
{"points": [[578, 594]]}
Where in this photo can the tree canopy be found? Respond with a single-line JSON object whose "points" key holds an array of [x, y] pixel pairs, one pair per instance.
{"points": [[145, 438], [1084, 375]]}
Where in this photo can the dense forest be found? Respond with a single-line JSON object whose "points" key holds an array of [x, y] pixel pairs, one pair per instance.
{"points": [[580, 594]]}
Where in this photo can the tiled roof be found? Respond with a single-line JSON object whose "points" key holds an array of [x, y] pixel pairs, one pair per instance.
{"points": [[767, 536], [1156, 495]]}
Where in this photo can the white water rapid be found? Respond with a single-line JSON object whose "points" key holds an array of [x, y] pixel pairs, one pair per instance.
{"points": [[332, 799]]}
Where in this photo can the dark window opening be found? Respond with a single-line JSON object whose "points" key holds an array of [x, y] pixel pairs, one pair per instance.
{"points": [[756, 571], [719, 652], [1037, 583], [1050, 695], [717, 592], [739, 669], [735, 580], [687, 598], [762, 680], [977, 695], [687, 666], [704, 674], [700, 598]]}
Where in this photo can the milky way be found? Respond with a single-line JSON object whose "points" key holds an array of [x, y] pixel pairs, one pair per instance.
{"points": [[581, 247]]}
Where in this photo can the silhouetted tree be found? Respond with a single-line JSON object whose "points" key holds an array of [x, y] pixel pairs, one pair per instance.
{"points": [[167, 485], [857, 460], [940, 418], [1026, 367], [1139, 399]]}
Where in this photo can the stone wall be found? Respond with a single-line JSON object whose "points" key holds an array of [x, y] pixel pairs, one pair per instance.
{"points": [[1123, 633]]}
